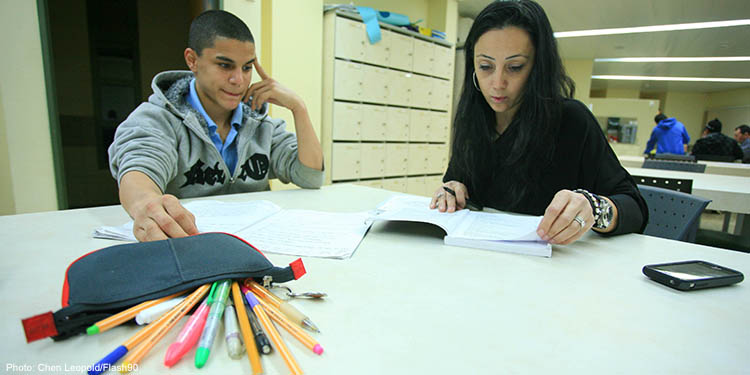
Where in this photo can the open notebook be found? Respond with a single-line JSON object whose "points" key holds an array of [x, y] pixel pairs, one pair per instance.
{"points": [[504, 232]]}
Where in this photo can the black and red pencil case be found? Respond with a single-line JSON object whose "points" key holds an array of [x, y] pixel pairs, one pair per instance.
{"points": [[109, 280]]}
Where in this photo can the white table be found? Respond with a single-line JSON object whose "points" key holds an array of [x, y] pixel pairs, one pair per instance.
{"points": [[727, 193], [712, 167], [407, 304]]}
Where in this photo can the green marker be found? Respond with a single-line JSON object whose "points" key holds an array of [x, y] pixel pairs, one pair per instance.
{"points": [[218, 302]]}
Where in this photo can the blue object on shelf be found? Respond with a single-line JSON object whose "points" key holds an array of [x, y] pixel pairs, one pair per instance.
{"points": [[393, 18], [370, 18]]}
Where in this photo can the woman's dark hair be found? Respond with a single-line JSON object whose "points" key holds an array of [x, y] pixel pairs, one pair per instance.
{"points": [[535, 125]]}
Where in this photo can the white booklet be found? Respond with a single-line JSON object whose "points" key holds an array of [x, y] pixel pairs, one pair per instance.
{"points": [[483, 230], [270, 228]]}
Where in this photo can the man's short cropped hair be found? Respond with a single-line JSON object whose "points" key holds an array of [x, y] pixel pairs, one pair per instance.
{"points": [[213, 24], [744, 129], [660, 117], [714, 126]]}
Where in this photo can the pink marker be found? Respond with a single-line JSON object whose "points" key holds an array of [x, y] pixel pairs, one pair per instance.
{"points": [[189, 335]]}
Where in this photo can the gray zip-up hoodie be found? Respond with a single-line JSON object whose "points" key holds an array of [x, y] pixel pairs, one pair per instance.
{"points": [[167, 139]]}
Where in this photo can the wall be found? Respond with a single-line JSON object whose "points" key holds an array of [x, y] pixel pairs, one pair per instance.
{"points": [[623, 93], [294, 56], [24, 119], [688, 108], [642, 110], [580, 72], [729, 98]]}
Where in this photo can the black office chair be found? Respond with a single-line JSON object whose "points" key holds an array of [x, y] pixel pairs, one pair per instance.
{"points": [[674, 165], [672, 214], [675, 157], [676, 184]]}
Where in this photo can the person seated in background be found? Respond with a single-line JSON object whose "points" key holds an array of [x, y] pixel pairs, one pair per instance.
{"points": [[522, 144], [197, 134], [669, 135], [742, 136], [715, 144]]}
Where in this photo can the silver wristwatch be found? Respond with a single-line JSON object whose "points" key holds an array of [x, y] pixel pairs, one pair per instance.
{"points": [[601, 208]]}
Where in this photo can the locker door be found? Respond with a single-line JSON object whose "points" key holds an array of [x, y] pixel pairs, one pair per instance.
{"points": [[415, 185], [374, 120], [396, 159], [348, 81], [418, 125], [439, 127], [424, 57], [444, 62], [347, 121], [395, 184], [399, 88], [418, 155], [441, 94], [421, 91], [401, 51], [373, 160], [345, 161], [397, 125], [378, 53], [350, 39]]}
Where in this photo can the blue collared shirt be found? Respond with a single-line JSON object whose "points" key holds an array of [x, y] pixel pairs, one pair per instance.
{"points": [[227, 149]]}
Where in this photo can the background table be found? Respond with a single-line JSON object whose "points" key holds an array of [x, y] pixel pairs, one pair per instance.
{"points": [[407, 304], [712, 167]]}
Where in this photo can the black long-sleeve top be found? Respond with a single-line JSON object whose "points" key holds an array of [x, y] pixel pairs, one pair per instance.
{"points": [[582, 159]]}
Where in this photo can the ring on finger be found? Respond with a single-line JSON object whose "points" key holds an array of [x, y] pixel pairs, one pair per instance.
{"points": [[580, 221], [440, 194]]}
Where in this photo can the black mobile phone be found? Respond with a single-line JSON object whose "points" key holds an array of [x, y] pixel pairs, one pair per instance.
{"points": [[692, 274]]}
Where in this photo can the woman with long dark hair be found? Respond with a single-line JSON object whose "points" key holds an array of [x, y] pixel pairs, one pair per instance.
{"points": [[522, 144]]}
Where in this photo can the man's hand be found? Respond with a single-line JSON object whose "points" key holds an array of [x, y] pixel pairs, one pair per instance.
{"points": [[270, 90], [156, 216]]}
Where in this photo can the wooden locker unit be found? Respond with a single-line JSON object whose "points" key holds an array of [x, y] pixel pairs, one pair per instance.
{"points": [[386, 106]]}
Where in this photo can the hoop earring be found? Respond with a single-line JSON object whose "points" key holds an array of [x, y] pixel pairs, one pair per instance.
{"points": [[474, 79]]}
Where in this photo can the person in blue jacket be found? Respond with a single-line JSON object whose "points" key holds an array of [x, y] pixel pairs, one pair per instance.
{"points": [[669, 135]]}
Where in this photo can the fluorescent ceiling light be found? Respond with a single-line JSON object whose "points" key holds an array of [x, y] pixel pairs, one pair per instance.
{"points": [[651, 29], [674, 59], [684, 79]]}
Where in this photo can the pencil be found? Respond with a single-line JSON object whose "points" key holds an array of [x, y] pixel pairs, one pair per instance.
{"points": [[272, 332], [290, 311], [124, 316], [172, 318], [247, 333], [292, 328]]}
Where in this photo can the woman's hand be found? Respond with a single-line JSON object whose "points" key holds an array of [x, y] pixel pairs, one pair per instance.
{"points": [[447, 202], [566, 219]]}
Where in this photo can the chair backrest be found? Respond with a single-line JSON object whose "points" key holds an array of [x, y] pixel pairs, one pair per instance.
{"points": [[675, 157], [674, 165], [672, 214], [676, 184], [725, 158]]}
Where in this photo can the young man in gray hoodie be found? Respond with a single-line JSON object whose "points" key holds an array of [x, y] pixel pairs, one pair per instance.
{"points": [[206, 132]]}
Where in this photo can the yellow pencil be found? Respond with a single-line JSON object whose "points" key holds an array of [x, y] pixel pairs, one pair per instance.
{"points": [[247, 333]]}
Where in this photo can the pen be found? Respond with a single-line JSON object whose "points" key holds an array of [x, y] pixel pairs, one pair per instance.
{"points": [[154, 312], [173, 317], [105, 363], [232, 333], [290, 311], [247, 332], [264, 346], [124, 316], [218, 303], [469, 204], [189, 335], [271, 330], [294, 329]]}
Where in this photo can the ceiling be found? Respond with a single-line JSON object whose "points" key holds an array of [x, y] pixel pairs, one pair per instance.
{"points": [[571, 15]]}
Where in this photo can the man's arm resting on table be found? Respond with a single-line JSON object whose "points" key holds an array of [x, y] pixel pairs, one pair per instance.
{"points": [[156, 216]]}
